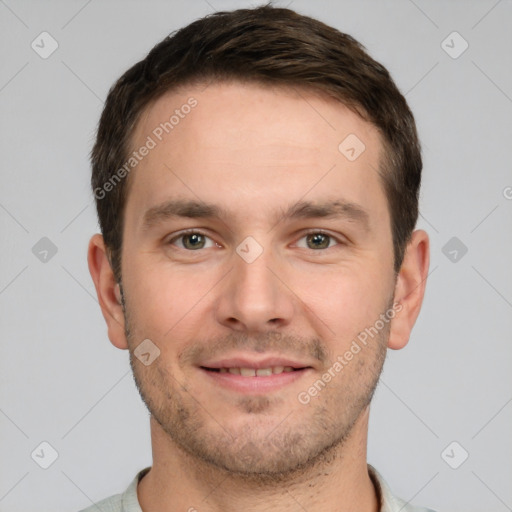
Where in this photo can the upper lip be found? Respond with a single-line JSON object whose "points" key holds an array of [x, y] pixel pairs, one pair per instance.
{"points": [[246, 362]]}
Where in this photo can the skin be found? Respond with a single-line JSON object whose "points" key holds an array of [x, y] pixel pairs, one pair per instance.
{"points": [[255, 150]]}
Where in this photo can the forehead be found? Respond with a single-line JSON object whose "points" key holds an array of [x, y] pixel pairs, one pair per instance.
{"points": [[246, 144]]}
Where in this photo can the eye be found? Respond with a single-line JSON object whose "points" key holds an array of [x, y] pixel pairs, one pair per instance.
{"points": [[192, 240], [318, 240]]}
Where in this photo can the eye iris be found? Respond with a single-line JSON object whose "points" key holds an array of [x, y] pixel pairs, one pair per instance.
{"points": [[194, 238], [321, 238]]}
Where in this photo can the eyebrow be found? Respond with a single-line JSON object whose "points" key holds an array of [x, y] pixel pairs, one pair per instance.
{"points": [[193, 209]]}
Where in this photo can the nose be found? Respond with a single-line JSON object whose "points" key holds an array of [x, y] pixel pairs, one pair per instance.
{"points": [[255, 297]]}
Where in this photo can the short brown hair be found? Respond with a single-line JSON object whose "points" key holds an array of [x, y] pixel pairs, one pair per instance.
{"points": [[265, 45]]}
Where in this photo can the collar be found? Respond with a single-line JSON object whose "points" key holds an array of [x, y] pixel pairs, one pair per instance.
{"points": [[388, 502]]}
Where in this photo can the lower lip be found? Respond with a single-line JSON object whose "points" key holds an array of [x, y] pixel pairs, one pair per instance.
{"points": [[256, 385]]}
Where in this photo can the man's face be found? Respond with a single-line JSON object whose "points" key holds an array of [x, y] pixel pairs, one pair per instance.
{"points": [[254, 288]]}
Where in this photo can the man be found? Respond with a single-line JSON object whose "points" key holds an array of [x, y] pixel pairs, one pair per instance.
{"points": [[256, 179]]}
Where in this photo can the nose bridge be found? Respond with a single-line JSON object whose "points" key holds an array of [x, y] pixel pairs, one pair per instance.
{"points": [[254, 298]]}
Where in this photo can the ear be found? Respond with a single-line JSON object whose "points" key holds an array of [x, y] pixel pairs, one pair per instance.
{"points": [[108, 291], [410, 288]]}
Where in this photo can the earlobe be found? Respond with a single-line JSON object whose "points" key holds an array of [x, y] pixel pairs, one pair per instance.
{"points": [[410, 288], [107, 290]]}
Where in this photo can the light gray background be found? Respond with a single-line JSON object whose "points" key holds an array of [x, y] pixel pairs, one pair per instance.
{"points": [[61, 381]]}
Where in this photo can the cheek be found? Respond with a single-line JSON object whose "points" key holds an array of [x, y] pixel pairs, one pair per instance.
{"points": [[167, 303], [346, 300]]}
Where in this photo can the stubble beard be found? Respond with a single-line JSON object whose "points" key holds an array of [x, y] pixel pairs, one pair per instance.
{"points": [[309, 437]]}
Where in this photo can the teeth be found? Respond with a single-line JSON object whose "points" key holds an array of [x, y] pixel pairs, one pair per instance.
{"points": [[260, 372]]}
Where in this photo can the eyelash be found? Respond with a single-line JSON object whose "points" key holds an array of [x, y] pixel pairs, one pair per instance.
{"points": [[311, 232]]}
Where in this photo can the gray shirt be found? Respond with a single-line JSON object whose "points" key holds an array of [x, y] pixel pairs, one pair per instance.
{"points": [[128, 502]]}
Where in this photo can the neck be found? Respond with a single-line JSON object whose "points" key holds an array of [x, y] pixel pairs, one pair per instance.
{"points": [[339, 482]]}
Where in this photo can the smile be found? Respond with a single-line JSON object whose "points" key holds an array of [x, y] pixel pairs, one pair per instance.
{"points": [[254, 372]]}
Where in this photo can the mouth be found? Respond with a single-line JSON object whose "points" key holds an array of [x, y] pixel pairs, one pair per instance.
{"points": [[254, 372], [255, 377]]}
